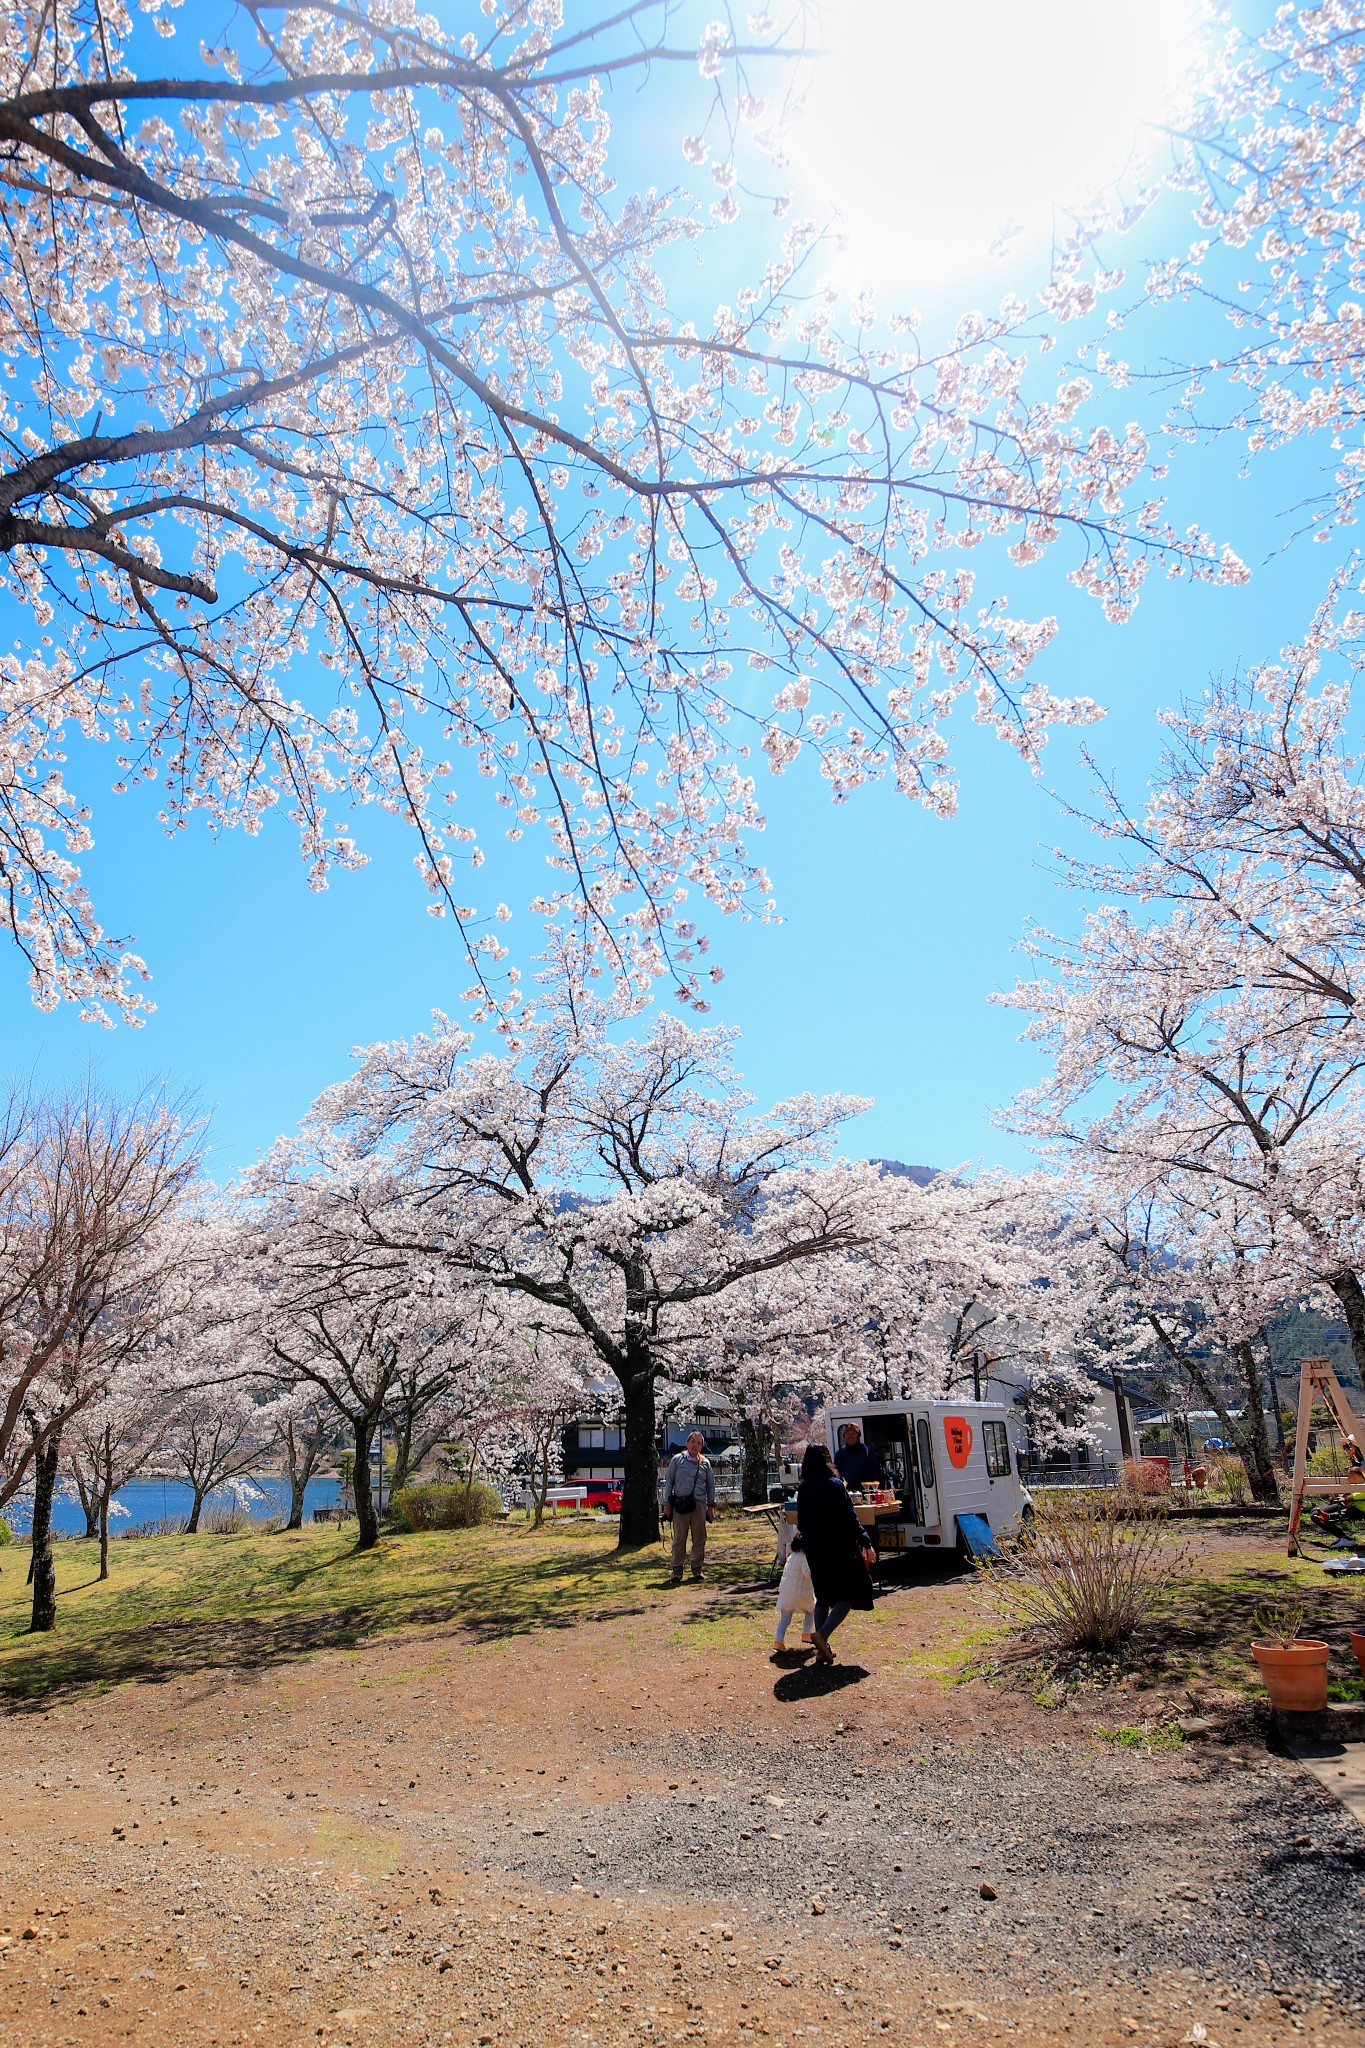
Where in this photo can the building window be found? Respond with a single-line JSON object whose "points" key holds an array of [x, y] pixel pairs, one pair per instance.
{"points": [[997, 1449]]}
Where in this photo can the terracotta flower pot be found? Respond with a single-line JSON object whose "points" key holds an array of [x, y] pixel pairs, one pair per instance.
{"points": [[1199, 1474], [1358, 1645], [1295, 1678]]}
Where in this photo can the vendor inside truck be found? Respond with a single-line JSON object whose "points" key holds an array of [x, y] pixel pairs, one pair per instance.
{"points": [[855, 1463]]}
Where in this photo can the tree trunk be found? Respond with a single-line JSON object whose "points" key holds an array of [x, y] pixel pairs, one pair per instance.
{"points": [[1256, 1441], [43, 1569], [360, 1486], [89, 1498], [105, 1470], [1121, 1405], [196, 1507], [299, 1464], [1204, 1387], [1351, 1295], [402, 1450], [640, 1456], [758, 1443], [541, 1463], [1275, 1408], [640, 1485]]}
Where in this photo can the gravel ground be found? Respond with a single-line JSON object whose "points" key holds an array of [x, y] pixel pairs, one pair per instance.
{"points": [[1240, 1865]]}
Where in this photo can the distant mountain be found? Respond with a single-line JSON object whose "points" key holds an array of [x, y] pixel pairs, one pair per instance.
{"points": [[920, 1175]]}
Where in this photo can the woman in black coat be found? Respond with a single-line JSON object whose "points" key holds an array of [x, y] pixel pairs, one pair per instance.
{"points": [[835, 1544]]}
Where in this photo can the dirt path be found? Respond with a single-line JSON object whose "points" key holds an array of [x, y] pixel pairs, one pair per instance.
{"points": [[641, 1831]]}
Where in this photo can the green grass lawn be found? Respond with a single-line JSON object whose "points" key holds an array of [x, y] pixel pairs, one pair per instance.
{"points": [[1202, 1637], [185, 1603], [179, 1604]]}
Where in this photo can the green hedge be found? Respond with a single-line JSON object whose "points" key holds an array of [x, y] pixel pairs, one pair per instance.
{"points": [[432, 1506]]}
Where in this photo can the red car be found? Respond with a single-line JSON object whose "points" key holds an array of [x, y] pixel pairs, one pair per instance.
{"points": [[604, 1495]]}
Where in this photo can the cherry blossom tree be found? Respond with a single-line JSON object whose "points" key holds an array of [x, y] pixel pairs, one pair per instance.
{"points": [[621, 1188], [113, 1441], [298, 1425], [1202, 1027], [366, 1327], [1208, 1173], [87, 1187], [1200, 1269], [552, 1376], [975, 1273], [340, 350], [984, 1285], [1216, 988], [214, 1438]]}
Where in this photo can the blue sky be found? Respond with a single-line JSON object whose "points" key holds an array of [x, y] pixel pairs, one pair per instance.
{"points": [[896, 926]]}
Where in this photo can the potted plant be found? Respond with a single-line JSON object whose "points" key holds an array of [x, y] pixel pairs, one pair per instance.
{"points": [[1294, 1667]]}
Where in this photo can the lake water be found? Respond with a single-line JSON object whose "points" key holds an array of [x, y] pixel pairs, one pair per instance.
{"points": [[158, 1500]]}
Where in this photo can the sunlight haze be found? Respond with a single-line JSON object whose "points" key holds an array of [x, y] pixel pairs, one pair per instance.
{"points": [[978, 122]]}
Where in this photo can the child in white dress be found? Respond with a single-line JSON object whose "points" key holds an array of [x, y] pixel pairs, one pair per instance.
{"points": [[795, 1595]]}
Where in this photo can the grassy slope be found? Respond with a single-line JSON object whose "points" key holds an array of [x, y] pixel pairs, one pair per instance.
{"points": [[178, 1604], [185, 1603]]}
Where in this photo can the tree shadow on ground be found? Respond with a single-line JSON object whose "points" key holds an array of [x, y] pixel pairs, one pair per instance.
{"points": [[1210, 1623], [1196, 1639], [159, 1630], [817, 1681]]}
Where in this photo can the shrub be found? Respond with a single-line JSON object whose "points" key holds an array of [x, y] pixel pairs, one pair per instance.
{"points": [[159, 1525], [1230, 1478], [1328, 1461], [432, 1505], [1145, 1478], [228, 1520], [1085, 1574], [6, 1533]]}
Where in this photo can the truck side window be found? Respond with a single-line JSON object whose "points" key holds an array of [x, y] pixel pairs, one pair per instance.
{"points": [[926, 1452], [997, 1449]]}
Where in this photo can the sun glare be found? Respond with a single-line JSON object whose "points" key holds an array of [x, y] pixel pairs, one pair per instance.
{"points": [[942, 132]]}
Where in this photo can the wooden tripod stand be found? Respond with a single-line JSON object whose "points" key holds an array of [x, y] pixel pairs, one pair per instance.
{"points": [[1317, 1382]]}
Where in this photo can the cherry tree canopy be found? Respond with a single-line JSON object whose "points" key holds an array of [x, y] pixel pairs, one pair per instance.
{"points": [[622, 1189], [1207, 1062], [90, 1249], [325, 1305], [981, 1276], [339, 351], [1270, 156], [1208, 1034]]}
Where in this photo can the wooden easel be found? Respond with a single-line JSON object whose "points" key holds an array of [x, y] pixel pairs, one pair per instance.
{"points": [[1317, 1382]]}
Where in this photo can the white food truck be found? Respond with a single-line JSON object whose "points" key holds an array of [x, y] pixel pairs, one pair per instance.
{"points": [[949, 1472]]}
